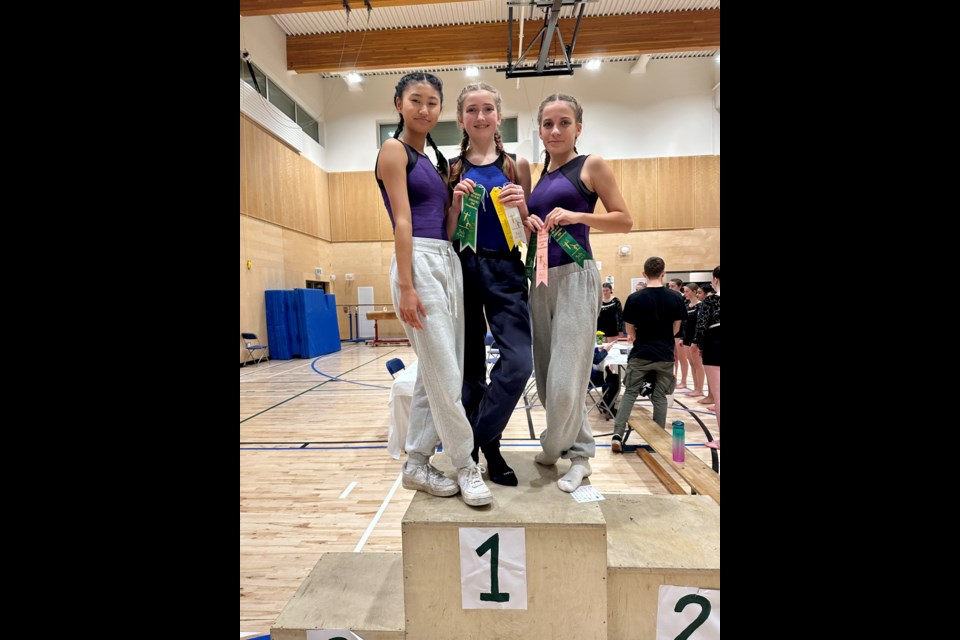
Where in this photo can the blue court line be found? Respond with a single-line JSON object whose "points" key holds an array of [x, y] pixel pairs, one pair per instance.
{"points": [[307, 390], [302, 448], [502, 444], [362, 384]]}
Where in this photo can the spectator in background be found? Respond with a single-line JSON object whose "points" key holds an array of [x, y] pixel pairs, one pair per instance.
{"points": [[652, 317], [610, 320], [680, 356], [708, 337]]}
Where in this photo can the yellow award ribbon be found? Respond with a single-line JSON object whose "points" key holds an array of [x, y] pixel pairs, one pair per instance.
{"points": [[502, 215]]}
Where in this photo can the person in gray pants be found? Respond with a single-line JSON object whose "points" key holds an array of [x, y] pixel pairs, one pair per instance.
{"points": [[652, 317]]}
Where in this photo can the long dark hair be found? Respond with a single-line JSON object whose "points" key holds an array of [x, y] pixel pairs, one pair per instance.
{"points": [[406, 81], [577, 109]]}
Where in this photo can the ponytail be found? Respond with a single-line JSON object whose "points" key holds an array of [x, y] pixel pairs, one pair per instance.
{"points": [[442, 165], [396, 134], [546, 164]]}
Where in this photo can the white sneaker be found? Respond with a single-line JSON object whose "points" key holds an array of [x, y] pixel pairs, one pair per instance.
{"points": [[472, 487], [426, 477]]}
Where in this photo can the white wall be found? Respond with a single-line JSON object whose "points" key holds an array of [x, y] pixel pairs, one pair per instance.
{"points": [[267, 44], [668, 111]]}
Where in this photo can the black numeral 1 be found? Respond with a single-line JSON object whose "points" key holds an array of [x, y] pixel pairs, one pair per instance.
{"points": [[492, 544]]}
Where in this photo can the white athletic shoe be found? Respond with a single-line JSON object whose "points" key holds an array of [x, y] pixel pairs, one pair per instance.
{"points": [[426, 477]]}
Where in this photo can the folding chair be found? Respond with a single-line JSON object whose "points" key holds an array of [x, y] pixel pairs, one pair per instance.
{"points": [[596, 390], [395, 366], [252, 345], [595, 394]]}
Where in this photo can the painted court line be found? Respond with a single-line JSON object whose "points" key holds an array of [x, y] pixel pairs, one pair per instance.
{"points": [[376, 518]]}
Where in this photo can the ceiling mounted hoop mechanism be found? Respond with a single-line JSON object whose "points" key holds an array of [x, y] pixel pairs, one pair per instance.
{"points": [[551, 15]]}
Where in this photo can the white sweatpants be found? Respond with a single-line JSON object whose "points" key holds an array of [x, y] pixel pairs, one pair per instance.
{"points": [[436, 413]]}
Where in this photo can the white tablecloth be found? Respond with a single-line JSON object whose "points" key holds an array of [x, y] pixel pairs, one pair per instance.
{"points": [[401, 393]]}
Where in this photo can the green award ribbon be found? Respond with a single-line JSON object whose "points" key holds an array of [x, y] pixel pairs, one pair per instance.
{"points": [[531, 255], [467, 223], [569, 244]]}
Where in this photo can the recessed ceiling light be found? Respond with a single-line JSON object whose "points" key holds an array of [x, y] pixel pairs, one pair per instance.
{"points": [[353, 78], [472, 72], [593, 64]]}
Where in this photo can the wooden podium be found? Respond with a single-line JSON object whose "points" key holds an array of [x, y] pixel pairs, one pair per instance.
{"points": [[593, 570], [376, 316], [566, 568]]}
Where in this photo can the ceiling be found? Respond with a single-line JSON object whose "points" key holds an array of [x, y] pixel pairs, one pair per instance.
{"points": [[435, 35]]}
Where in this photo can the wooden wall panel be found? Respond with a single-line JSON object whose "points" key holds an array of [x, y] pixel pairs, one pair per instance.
{"points": [[307, 196], [301, 254], [286, 212], [360, 206], [676, 176], [279, 185], [280, 259], [322, 180], [535, 169], [386, 227], [682, 250], [640, 189], [243, 167], [338, 231], [706, 191], [258, 166]]}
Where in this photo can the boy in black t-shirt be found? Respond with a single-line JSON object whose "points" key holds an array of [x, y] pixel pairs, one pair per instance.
{"points": [[651, 317]]}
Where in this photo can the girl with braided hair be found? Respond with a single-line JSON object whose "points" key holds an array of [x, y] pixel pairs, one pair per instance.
{"points": [[565, 309], [427, 287], [493, 277]]}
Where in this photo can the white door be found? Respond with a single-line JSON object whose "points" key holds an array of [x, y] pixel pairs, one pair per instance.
{"points": [[365, 300]]}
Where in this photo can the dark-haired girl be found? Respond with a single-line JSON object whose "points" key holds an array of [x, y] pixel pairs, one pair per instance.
{"points": [[427, 288]]}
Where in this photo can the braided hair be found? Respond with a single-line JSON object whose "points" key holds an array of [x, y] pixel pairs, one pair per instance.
{"points": [[434, 81], [577, 109]]}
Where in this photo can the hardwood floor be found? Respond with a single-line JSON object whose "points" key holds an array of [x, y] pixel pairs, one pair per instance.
{"points": [[310, 429]]}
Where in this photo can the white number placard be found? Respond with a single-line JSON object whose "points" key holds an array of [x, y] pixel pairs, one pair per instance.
{"points": [[332, 634], [688, 612], [493, 568]]}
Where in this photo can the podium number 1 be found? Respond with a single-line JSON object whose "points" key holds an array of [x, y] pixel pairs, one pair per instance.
{"points": [[492, 544], [493, 567]]}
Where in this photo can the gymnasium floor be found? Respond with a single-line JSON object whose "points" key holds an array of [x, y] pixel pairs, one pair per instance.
{"points": [[315, 475]]}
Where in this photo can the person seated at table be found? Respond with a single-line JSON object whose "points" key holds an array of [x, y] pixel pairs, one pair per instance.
{"points": [[606, 378]]}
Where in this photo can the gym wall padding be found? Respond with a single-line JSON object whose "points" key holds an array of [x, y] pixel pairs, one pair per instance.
{"points": [[301, 323], [317, 319]]}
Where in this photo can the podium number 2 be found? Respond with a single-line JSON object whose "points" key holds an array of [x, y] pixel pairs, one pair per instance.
{"points": [[704, 613], [688, 613], [492, 544]]}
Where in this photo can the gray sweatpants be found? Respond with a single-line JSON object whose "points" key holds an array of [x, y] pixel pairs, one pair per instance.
{"points": [[666, 382], [564, 314], [436, 413]]}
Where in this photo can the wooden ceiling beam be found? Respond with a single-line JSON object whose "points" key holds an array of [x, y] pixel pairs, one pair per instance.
{"points": [[271, 7], [453, 45]]}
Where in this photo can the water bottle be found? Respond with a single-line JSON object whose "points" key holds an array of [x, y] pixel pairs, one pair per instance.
{"points": [[679, 452]]}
